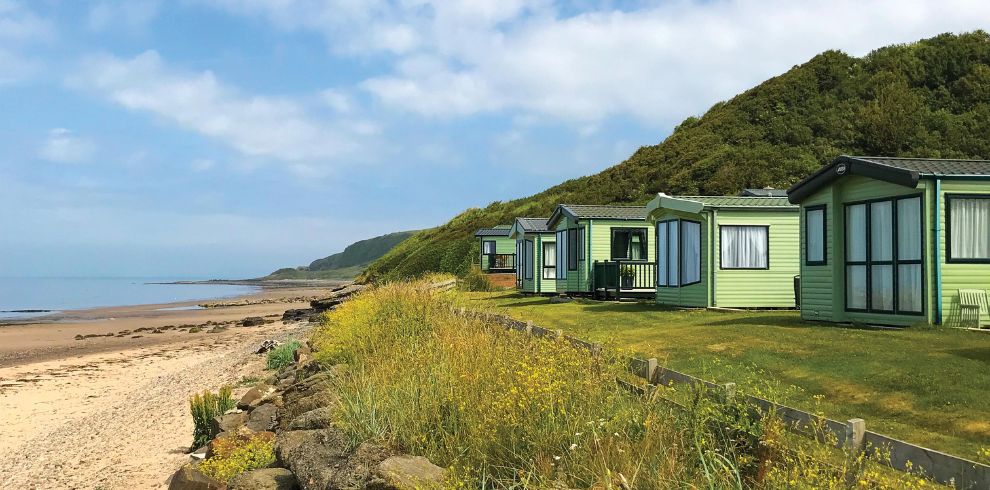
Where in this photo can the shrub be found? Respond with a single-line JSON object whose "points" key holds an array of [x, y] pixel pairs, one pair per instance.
{"points": [[204, 409], [232, 456], [506, 410], [475, 280], [282, 355]]}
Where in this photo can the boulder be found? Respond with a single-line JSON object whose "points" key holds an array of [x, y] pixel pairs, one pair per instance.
{"points": [[360, 468], [252, 395], [229, 422], [408, 472], [262, 418], [312, 455], [298, 406], [318, 418], [300, 352], [252, 321], [190, 478], [264, 479]]}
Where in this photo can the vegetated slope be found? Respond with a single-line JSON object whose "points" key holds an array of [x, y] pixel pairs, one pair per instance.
{"points": [[347, 264], [925, 99]]}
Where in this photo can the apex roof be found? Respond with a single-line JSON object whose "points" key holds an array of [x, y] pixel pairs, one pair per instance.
{"points": [[497, 231], [901, 171], [533, 224]]}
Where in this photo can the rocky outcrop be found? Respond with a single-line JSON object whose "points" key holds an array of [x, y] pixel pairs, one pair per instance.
{"points": [[189, 478], [297, 404], [264, 479], [318, 418], [409, 472]]}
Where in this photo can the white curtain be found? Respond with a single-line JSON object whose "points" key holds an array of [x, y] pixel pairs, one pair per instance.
{"points": [[690, 251], [909, 287], [909, 229], [662, 253], [856, 287], [635, 243], [549, 260], [815, 244], [882, 287], [970, 225], [881, 231], [744, 247], [673, 269], [489, 247], [856, 233]]}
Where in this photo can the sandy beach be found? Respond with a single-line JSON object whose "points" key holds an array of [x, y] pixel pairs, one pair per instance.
{"points": [[111, 411]]}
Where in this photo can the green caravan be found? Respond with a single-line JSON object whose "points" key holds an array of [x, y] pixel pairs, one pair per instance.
{"points": [[498, 251], [895, 241], [603, 250], [725, 251], [536, 253]]}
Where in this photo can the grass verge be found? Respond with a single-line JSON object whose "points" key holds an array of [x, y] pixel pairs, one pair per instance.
{"points": [[504, 410]]}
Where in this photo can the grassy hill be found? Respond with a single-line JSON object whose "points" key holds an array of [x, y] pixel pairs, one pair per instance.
{"points": [[926, 99], [347, 264]]}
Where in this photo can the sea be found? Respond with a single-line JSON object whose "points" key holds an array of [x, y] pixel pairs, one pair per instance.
{"points": [[26, 297]]}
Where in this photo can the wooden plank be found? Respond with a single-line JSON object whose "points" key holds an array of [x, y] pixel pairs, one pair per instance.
{"points": [[939, 466]]}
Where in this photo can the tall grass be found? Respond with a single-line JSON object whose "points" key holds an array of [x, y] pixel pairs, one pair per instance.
{"points": [[204, 408], [504, 410], [282, 355]]}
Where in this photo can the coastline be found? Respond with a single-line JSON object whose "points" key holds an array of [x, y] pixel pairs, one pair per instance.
{"points": [[76, 412]]}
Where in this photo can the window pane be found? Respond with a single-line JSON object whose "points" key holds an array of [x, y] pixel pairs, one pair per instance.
{"points": [[690, 252], [519, 255], [744, 247], [856, 233], [856, 287], [581, 246], [881, 231], [634, 242], [620, 244], [561, 252], [673, 269], [549, 255], [970, 228], [882, 287], [662, 254], [815, 226], [909, 287], [572, 248], [909, 229], [529, 259]]}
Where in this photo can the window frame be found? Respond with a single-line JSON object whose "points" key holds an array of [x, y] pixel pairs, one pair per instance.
{"points": [[645, 247], [721, 243], [494, 247], [543, 260], [824, 209], [560, 239], [680, 252], [894, 261], [949, 259]]}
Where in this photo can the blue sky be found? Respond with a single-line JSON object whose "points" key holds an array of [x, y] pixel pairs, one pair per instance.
{"points": [[227, 138]]}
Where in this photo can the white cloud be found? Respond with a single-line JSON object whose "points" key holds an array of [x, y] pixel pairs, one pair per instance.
{"points": [[64, 146], [202, 164], [19, 27], [257, 126], [128, 14], [658, 62]]}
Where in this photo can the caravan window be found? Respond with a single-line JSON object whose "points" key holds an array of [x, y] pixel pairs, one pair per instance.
{"points": [[745, 247], [678, 253], [629, 244], [969, 228], [884, 256]]}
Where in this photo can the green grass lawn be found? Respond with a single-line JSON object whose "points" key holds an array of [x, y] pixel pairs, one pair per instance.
{"points": [[926, 386]]}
